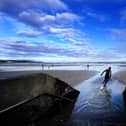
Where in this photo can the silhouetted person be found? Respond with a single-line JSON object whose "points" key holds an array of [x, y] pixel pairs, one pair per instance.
{"points": [[42, 66], [88, 66], [107, 75]]}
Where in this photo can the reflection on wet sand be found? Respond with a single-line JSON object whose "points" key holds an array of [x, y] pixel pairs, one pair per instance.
{"points": [[97, 105], [97, 99]]}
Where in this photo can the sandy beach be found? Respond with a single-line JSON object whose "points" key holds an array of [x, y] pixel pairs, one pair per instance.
{"points": [[72, 77], [121, 76]]}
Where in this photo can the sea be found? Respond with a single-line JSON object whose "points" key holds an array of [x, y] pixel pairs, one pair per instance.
{"points": [[59, 66]]}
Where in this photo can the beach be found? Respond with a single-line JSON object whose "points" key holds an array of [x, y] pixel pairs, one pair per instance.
{"points": [[121, 76], [72, 77]]}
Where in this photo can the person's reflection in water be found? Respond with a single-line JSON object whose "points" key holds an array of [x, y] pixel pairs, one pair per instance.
{"points": [[107, 76]]}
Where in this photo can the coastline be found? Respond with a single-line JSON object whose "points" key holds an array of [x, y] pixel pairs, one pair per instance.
{"points": [[121, 76], [72, 77]]}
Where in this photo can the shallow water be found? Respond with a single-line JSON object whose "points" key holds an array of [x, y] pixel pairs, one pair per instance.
{"points": [[23, 67], [96, 99]]}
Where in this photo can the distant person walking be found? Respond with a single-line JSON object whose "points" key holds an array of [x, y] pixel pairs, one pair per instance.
{"points": [[88, 66], [42, 66], [107, 76]]}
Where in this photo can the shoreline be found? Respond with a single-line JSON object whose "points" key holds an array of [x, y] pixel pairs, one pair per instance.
{"points": [[121, 76], [72, 77]]}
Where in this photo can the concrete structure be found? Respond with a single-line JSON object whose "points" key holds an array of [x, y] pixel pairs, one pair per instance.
{"points": [[30, 97]]}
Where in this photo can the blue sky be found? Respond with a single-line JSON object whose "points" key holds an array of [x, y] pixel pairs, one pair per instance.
{"points": [[63, 30]]}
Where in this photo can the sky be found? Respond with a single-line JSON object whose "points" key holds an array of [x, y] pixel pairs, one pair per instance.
{"points": [[63, 30]]}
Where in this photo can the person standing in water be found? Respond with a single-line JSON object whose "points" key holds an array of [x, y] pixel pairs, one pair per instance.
{"points": [[107, 77]]}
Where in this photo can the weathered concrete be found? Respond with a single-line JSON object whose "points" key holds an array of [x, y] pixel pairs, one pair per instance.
{"points": [[36, 97], [14, 90]]}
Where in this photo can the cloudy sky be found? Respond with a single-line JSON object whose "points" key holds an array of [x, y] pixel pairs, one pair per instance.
{"points": [[63, 30]]}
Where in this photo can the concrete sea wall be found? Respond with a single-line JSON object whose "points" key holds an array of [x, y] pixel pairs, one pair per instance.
{"points": [[36, 99], [14, 90]]}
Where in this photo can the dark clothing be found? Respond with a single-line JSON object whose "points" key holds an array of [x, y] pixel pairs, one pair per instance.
{"points": [[107, 75]]}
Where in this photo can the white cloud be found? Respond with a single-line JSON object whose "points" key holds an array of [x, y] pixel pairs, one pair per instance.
{"points": [[55, 30], [41, 19], [9, 47], [66, 16], [59, 18], [69, 35], [16, 6], [52, 4], [32, 12], [51, 51], [29, 33]]}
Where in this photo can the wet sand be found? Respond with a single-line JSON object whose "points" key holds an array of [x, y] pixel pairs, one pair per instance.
{"points": [[121, 76], [72, 77]]}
